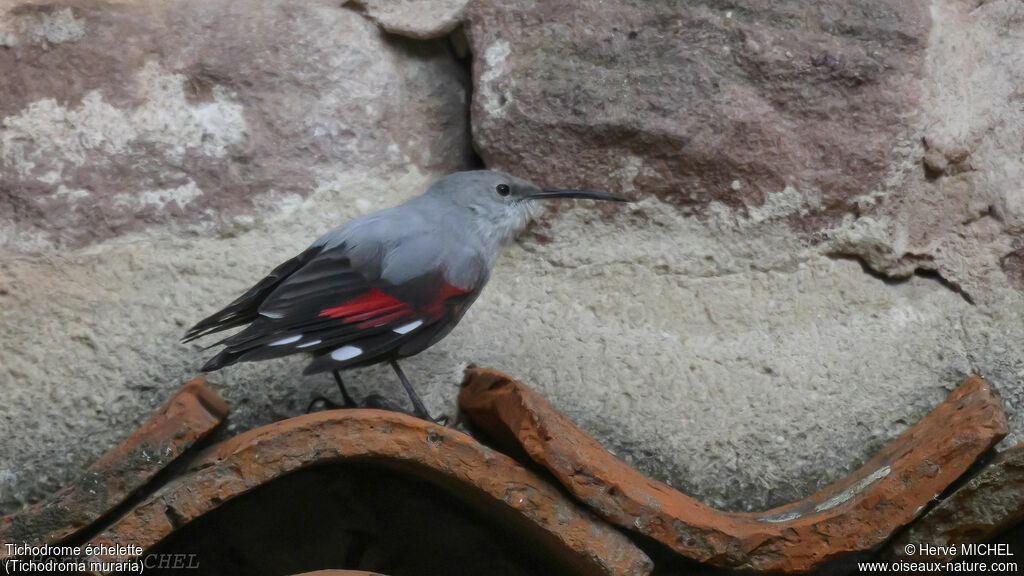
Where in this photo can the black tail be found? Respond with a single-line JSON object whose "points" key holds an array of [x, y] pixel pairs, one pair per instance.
{"points": [[222, 359], [245, 308]]}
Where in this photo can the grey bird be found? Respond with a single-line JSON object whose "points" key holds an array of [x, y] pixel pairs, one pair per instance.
{"points": [[386, 285]]}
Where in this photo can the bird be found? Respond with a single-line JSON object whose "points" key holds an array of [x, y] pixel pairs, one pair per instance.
{"points": [[386, 285]]}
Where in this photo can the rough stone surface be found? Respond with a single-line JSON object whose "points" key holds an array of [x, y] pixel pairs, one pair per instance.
{"points": [[888, 130], [564, 529], [852, 515], [714, 347], [696, 102], [201, 116], [882, 132], [744, 387], [959, 210], [419, 19], [991, 502], [189, 416]]}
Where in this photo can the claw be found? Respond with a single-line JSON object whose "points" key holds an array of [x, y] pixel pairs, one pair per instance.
{"points": [[327, 402]]}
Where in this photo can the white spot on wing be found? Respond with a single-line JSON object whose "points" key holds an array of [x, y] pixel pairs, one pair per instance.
{"points": [[409, 327], [287, 340], [272, 314], [308, 344], [346, 353]]}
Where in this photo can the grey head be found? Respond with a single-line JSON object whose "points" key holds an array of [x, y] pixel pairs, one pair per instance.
{"points": [[499, 204]]}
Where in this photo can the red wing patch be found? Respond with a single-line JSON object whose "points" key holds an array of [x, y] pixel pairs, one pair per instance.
{"points": [[374, 306], [436, 308]]}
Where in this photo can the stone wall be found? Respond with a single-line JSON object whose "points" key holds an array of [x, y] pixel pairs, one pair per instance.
{"points": [[829, 232]]}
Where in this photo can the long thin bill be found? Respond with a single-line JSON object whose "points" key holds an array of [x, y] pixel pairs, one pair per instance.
{"points": [[590, 194]]}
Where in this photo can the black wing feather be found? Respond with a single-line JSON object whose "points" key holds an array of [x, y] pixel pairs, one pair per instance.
{"points": [[245, 308], [291, 301], [294, 304]]}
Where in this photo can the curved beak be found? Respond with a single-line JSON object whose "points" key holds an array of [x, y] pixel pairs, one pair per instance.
{"points": [[590, 194]]}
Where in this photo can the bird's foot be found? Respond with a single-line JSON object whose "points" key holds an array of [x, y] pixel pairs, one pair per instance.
{"points": [[324, 401], [441, 420], [380, 403], [375, 401]]}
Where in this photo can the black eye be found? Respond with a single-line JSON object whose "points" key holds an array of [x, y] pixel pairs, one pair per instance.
{"points": [[503, 189]]}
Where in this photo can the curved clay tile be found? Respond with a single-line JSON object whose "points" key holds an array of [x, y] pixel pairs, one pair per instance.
{"points": [[186, 418], [853, 514], [563, 528], [988, 504]]}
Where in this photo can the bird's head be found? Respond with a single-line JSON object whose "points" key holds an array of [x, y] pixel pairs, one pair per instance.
{"points": [[500, 202]]}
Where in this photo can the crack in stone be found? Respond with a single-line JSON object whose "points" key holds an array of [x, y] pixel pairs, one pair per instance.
{"points": [[891, 280]]}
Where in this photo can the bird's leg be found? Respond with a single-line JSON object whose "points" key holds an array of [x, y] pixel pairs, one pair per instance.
{"points": [[419, 410], [347, 400]]}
